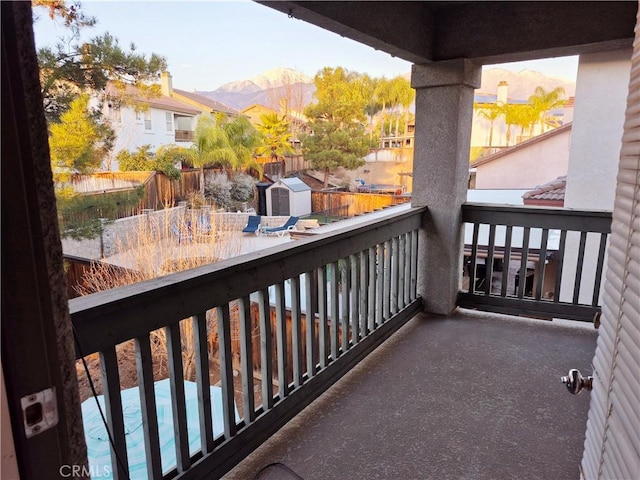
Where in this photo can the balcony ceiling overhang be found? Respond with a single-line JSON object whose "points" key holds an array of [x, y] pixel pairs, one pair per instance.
{"points": [[487, 32]]}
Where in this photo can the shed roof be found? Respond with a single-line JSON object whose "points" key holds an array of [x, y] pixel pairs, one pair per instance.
{"points": [[293, 184], [552, 191]]}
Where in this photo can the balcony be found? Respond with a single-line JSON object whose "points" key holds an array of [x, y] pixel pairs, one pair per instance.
{"points": [[471, 395], [184, 136]]}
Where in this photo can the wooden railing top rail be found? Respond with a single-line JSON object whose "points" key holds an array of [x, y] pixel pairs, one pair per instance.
{"points": [[135, 310], [598, 221]]}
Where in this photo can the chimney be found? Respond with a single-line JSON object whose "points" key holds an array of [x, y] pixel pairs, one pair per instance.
{"points": [[166, 84], [502, 93]]}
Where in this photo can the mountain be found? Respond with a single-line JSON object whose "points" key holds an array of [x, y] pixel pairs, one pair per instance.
{"points": [[522, 84], [268, 88]]}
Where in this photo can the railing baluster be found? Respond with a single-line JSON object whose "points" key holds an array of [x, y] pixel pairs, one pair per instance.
{"points": [[579, 265], [414, 265], [115, 420], [281, 340], [372, 289], [407, 269], [246, 360], [364, 292], [522, 281], [506, 260], [323, 332], [474, 258], [345, 298], [200, 338], [559, 264], [401, 277], [335, 319], [488, 267], [144, 369], [354, 318], [310, 318], [226, 371], [542, 261], [380, 284], [266, 349], [176, 383], [599, 268], [394, 275], [387, 280], [296, 331]]}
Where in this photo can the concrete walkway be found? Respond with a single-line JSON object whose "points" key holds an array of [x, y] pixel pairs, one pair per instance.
{"points": [[471, 396]]}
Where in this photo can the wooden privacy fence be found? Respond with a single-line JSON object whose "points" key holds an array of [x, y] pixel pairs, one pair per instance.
{"points": [[159, 190], [347, 204]]}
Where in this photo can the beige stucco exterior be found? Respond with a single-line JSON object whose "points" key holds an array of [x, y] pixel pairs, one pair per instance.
{"points": [[528, 164]]}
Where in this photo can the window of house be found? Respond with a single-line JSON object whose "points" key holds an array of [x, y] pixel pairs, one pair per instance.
{"points": [[147, 120], [169, 121], [138, 115]]}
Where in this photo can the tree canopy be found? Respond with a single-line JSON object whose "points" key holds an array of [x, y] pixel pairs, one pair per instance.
{"points": [[79, 141], [276, 136], [74, 66], [338, 137]]}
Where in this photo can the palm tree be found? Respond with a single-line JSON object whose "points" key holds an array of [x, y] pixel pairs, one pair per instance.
{"points": [[211, 146], [491, 113], [276, 136], [244, 139], [543, 102], [383, 95], [402, 95]]}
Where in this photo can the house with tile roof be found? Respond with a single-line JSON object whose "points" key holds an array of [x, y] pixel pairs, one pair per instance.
{"points": [[526, 165], [550, 194], [155, 120], [147, 120]]}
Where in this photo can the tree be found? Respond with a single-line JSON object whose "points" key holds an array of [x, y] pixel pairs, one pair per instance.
{"points": [[492, 113], [79, 141], [276, 137], [543, 101], [164, 160], [74, 66], [244, 140], [401, 98], [339, 138]]}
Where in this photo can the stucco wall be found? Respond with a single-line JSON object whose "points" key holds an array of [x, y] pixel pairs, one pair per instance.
{"points": [[527, 166], [601, 100]]}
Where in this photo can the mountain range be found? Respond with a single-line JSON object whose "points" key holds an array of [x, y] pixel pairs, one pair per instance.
{"points": [[268, 88]]}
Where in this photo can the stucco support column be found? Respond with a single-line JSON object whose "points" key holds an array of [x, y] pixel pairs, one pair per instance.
{"points": [[444, 109]]}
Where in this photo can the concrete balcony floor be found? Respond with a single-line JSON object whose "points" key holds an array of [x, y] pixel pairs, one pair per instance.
{"points": [[469, 396]]}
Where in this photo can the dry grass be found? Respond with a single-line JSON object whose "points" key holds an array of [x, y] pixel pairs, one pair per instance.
{"points": [[160, 245]]}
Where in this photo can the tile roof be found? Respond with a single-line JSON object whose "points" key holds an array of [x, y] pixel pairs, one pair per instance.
{"points": [[162, 102], [208, 102], [552, 191]]}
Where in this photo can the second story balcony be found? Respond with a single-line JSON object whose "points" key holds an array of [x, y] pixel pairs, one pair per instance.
{"points": [[263, 336], [184, 135]]}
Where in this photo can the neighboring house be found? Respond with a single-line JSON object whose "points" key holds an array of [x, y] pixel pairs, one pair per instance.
{"points": [[289, 196], [526, 165], [148, 121], [200, 102], [167, 119], [548, 195]]}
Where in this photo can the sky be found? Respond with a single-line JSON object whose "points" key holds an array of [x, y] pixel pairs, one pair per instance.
{"points": [[208, 43]]}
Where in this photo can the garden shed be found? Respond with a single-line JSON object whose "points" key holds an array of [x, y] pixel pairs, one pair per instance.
{"points": [[289, 196]]}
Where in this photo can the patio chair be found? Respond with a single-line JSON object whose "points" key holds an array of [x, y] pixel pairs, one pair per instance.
{"points": [[183, 234], [253, 225], [289, 225]]}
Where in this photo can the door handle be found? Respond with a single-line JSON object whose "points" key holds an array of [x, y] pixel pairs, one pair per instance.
{"points": [[575, 382]]}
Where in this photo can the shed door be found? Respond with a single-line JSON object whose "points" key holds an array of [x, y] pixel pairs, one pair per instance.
{"points": [[280, 201], [612, 438]]}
